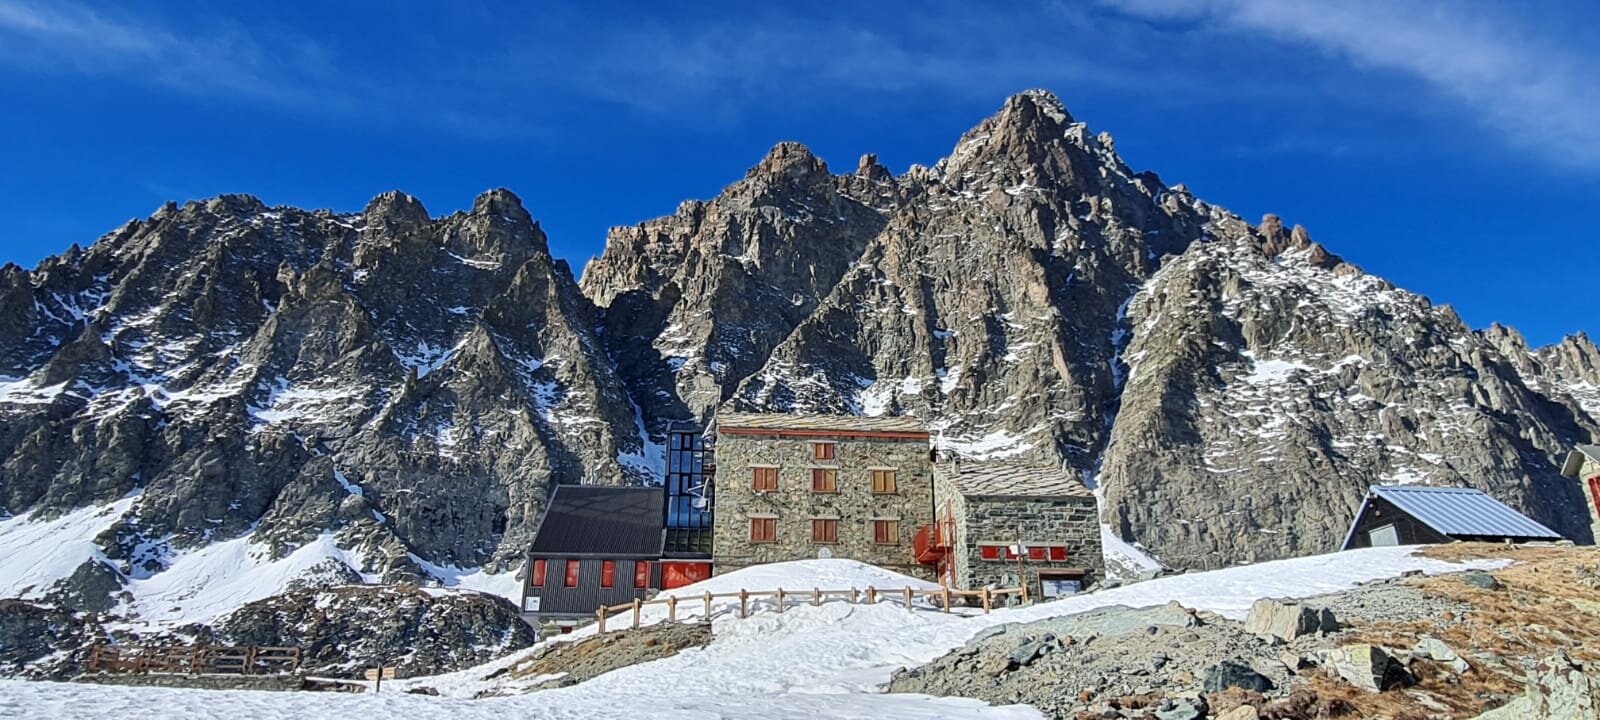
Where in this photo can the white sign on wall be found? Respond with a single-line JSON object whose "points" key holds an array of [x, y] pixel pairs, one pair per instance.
{"points": [[530, 604]]}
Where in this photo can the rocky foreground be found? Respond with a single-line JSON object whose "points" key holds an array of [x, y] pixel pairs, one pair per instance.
{"points": [[1519, 642]]}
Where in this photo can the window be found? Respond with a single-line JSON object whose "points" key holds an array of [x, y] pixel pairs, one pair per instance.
{"points": [[538, 573], [824, 530], [822, 451], [764, 478], [886, 532], [608, 573], [572, 573], [641, 574], [989, 552], [883, 482], [1058, 553], [763, 530], [824, 480], [1594, 490]]}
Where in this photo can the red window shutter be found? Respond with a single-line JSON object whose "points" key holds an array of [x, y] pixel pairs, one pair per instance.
{"points": [[1058, 553], [572, 573], [641, 574], [608, 573], [1594, 490], [1036, 553], [538, 573], [989, 552]]}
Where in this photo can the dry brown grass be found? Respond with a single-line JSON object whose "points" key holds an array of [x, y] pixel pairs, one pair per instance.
{"points": [[1544, 606]]}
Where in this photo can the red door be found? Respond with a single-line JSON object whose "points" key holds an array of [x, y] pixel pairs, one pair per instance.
{"points": [[679, 574], [1594, 491]]}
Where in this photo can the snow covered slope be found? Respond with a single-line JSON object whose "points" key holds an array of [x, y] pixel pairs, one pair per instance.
{"points": [[808, 662]]}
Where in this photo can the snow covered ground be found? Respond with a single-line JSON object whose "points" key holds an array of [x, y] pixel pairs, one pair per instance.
{"points": [[808, 662], [197, 585]]}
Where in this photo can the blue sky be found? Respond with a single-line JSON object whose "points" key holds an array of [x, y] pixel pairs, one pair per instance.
{"points": [[1451, 147]]}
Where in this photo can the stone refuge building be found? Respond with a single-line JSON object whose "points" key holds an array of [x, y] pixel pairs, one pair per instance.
{"points": [[987, 508], [796, 487], [762, 488], [1583, 465]]}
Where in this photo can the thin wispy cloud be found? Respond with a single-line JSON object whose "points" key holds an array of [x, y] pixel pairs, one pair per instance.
{"points": [[222, 58], [1531, 92]]}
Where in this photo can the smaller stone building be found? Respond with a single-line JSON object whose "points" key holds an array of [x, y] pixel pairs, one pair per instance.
{"points": [[797, 487], [998, 518], [1583, 465]]}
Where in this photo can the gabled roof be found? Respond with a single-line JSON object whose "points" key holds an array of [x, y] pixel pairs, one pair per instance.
{"points": [[1000, 478], [1575, 459], [1462, 512], [910, 427], [595, 521]]}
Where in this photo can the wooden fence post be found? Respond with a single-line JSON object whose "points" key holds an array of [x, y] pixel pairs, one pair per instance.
{"points": [[908, 597], [672, 608], [946, 598], [250, 660], [872, 595], [601, 615], [744, 604], [816, 597], [636, 613], [94, 657], [780, 601], [986, 600], [708, 606], [853, 596]]}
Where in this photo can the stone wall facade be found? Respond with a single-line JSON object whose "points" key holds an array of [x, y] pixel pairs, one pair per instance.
{"points": [[794, 504], [1069, 522]]}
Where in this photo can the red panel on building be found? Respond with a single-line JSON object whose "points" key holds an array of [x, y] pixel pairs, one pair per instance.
{"points": [[641, 574], [679, 574], [538, 573], [572, 573], [608, 573], [1594, 490]]}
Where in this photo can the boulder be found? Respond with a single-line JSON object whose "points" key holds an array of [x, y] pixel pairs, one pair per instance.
{"points": [[1287, 620], [1434, 649], [1480, 579], [1243, 712], [1232, 673], [1557, 689], [1368, 667]]}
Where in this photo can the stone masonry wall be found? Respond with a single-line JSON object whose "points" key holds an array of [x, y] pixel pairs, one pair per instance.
{"points": [[794, 504], [980, 520]]}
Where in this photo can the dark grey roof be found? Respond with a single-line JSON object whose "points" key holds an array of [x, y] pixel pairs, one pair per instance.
{"points": [[1575, 459], [595, 520], [1462, 512]]}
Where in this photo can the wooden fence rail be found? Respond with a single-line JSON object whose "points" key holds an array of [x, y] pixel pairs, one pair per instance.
{"points": [[194, 660], [942, 598]]}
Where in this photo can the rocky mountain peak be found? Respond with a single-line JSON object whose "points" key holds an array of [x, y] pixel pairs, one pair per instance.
{"points": [[500, 201], [396, 209], [790, 160]]}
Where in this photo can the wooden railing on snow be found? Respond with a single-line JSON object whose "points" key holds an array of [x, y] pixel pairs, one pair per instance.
{"points": [[942, 598], [194, 659]]}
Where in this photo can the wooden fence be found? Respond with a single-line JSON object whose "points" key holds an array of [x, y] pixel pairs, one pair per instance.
{"points": [[942, 598], [194, 660]]}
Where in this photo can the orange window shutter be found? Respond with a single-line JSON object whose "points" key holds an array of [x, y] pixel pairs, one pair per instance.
{"points": [[538, 573], [572, 573], [608, 573], [641, 574]]}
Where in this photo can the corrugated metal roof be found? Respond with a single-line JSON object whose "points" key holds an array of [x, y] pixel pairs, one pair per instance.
{"points": [[595, 520], [1001, 478], [1462, 511], [820, 423]]}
